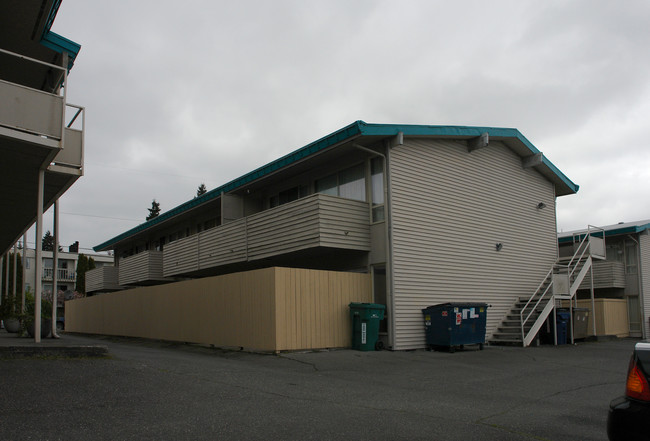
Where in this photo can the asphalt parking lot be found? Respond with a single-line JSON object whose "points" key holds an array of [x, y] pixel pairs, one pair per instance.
{"points": [[157, 390]]}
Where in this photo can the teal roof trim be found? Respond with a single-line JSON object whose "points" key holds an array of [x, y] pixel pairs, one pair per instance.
{"points": [[354, 130], [55, 41], [609, 231]]}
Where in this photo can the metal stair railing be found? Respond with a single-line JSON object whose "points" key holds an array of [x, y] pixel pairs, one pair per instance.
{"points": [[576, 270]]}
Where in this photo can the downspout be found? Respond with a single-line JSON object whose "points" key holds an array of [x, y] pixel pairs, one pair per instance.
{"points": [[389, 244], [638, 280]]}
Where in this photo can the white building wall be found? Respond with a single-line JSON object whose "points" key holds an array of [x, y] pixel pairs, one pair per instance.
{"points": [[449, 209]]}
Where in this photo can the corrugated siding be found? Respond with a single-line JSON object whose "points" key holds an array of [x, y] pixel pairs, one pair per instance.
{"points": [[102, 279], [449, 210], [644, 241], [141, 267]]}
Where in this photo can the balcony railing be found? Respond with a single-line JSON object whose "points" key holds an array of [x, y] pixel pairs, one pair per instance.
{"points": [[40, 117], [63, 274], [102, 279], [312, 222], [144, 268], [607, 274]]}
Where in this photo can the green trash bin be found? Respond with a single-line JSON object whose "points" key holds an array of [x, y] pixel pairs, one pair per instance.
{"points": [[365, 325]]}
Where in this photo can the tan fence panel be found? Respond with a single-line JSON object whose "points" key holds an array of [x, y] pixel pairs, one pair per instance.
{"points": [[312, 307], [271, 309], [611, 317]]}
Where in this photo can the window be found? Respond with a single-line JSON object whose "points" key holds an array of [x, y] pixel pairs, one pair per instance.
{"points": [[377, 186], [349, 183]]}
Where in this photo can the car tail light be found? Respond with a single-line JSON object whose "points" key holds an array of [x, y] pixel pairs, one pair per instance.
{"points": [[637, 385]]}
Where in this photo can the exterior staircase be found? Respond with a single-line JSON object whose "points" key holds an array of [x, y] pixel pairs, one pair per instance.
{"points": [[528, 314]]}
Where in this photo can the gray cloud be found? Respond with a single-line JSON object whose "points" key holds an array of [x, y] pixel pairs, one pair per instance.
{"points": [[205, 91]]}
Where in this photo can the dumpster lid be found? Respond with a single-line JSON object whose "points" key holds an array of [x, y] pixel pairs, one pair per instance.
{"points": [[458, 305], [366, 305]]}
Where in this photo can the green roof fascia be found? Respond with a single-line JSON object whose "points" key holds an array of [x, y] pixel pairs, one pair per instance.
{"points": [[633, 229], [55, 41], [465, 131], [354, 130]]}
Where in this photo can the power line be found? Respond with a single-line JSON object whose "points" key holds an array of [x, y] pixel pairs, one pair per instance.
{"points": [[102, 217]]}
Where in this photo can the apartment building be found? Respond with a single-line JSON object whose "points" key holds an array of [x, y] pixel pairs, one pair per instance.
{"points": [[432, 213], [624, 274]]}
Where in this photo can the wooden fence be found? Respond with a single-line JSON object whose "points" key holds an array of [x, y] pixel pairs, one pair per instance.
{"points": [[272, 309]]}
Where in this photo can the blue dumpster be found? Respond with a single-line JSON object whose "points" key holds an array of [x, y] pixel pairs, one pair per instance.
{"points": [[562, 318], [455, 324]]}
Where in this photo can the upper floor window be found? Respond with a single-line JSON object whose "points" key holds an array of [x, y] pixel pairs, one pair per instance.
{"points": [[288, 195], [349, 183]]}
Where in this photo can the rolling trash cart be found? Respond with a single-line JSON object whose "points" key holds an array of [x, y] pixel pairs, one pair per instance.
{"points": [[365, 326], [451, 325]]}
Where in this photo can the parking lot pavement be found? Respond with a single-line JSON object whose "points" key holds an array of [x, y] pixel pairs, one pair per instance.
{"points": [[155, 390]]}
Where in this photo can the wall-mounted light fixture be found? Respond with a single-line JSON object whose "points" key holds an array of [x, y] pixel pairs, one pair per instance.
{"points": [[499, 246], [541, 205]]}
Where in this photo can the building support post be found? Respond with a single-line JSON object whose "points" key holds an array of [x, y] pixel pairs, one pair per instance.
{"points": [[15, 271], [22, 285], [55, 269], [38, 260], [593, 302]]}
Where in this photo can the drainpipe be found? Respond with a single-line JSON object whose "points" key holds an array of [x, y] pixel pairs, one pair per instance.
{"points": [[638, 279], [389, 244]]}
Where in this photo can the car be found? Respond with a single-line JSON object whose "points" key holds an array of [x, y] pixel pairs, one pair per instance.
{"points": [[629, 415]]}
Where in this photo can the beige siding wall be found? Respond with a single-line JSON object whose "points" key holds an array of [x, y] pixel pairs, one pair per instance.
{"points": [[449, 210], [644, 240], [271, 309]]}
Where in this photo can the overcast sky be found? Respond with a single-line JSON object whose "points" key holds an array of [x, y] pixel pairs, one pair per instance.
{"points": [[180, 93]]}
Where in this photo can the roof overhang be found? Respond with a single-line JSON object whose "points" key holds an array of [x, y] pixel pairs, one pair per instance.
{"points": [[357, 131], [610, 230]]}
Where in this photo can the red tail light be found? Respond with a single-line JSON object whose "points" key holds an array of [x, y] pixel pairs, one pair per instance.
{"points": [[637, 385]]}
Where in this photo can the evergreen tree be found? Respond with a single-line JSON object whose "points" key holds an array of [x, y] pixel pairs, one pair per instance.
{"points": [[154, 210], [48, 241], [201, 190], [84, 264]]}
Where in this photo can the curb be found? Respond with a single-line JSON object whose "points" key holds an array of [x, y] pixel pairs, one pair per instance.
{"points": [[18, 352]]}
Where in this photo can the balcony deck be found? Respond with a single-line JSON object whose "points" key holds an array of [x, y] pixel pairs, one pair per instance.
{"points": [[38, 130], [144, 268], [607, 274], [316, 221], [103, 279]]}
